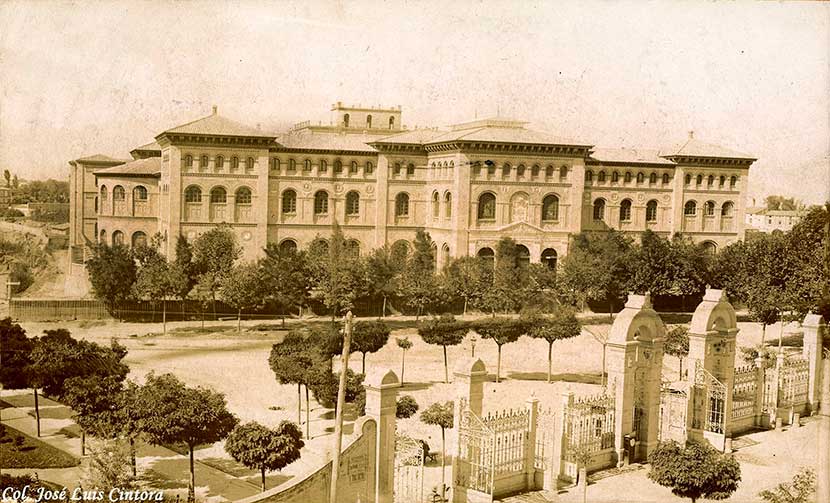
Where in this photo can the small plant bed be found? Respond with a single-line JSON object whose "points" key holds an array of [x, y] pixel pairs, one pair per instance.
{"points": [[18, 450]]}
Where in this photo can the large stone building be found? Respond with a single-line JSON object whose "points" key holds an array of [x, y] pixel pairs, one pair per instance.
{"points": [[468, 185]]}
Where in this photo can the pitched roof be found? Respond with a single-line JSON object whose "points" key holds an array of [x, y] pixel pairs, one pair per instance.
{"points": [[415, 136], [629, 155], [696, 148], [150, 166], [154, 146], [348, 142], [215, 124], [499, 134], [99, 158]]}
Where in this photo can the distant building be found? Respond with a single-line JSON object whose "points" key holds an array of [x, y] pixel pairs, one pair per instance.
{"points": [[764, 220], [467, 185], [5, 197]]}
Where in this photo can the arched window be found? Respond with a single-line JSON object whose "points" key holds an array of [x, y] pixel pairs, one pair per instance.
{"points": [[219, 163], [346, 120], [410, 169], [733, 181], [445, 254], [710, 181], [319, 247], [292, 165], [352, 203], [688, 179], [550, 208], [601, 177], [589, 176], [615, 177], [96, 205], [396, 169], [193, 194], [338, 166], [370, 168], [249, 164], [640, 177], [625, 210], [487, 206], [726, 209], [117, 238], [307, 165], [203, 162], [103, 194], [288, 246], [275, 164], [139, 193], [218, 195], [118, 193], [522, 255], [352, 248], [234, 163], [563, 172], [391, 122], [487, 255], [289, 201], [491, 167], [652, 178], [323, 167], [651, 211], [710, 208], [243, 195], [627, 178], [188, 161], [690, 208], [699, 179], [722, 180], [599, 210], [368, 122], [103, 237], [353, 167], [534, 171], [710, 248], [448, 205], [402, 205], [436, 204], [321, 202], [520, 170], [665, 178], [505, 169], [139, 239], [549, 257]]}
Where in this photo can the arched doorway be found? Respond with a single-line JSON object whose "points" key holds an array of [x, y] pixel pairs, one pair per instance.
{"points": [[522, 255], [549, 257]]}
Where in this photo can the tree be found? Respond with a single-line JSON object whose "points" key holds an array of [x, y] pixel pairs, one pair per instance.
{"points": [[808, 250], [444, 331], [8, 176], [15, 355], [418, 285], [385, 266], [15, 182], [510, 279], [468, 278], [781, 203], [561, 324], [259, 447], [339, 275], [175, 413], [112, 272], [243, 288], [404, 343], [695, 471], [441, 415], [405, 407], [292, 361], [502, 331], [677, 344], [158, 280], [107, 468], [184, 271], [92, 399], [369, 337], [19, 482], [287, 276], [802, 489], [214, 254], [596, 267]]}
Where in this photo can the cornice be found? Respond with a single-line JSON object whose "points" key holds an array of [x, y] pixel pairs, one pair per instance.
{"points": [[364, 153], [191, 140], [510, 148], [714, 161]]}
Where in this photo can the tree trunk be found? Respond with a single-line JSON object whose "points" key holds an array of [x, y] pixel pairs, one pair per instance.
{"points": [[37, 413], [443, 461], [681, 368], [307, 414], [132, 455], [498, 366], [83, 442], [191, 486], [213, 302], [263, 479], [403, 362], [239, 321], [164, 316], [550, 351], [465, 307], [363, 364], [611, 310], [299, 404], [203, 318], [763, 333], [383, 310], [446, 371], [603, 366]]}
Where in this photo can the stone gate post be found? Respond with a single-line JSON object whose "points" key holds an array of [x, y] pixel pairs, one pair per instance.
{"points": [[815, 329], [561, 443], [468, 378], [530, 443], [381, 404]]}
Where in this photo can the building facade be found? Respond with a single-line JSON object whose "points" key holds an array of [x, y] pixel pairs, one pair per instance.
{"points": [[764, 220], [467, 185]]}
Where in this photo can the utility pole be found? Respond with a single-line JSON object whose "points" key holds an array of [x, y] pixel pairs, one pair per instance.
{"points": [[341, 404]]}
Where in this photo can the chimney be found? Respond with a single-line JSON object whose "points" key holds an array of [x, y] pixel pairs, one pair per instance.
{"points": [[691, 135], [215, 109]]}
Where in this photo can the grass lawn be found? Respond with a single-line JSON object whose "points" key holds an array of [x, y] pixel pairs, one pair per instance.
{"points": [[32, 453]]}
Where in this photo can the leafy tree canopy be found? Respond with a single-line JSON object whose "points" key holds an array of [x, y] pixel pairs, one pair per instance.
{"points": [[15, 355], [112, 272], [262, 448], [439, 414], [695, 471]]}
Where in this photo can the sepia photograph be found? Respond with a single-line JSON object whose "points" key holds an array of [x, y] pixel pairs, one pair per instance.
{"points": [[414, 251]]}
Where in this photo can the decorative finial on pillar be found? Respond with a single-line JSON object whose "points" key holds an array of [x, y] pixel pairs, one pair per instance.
{"points": [[215, 109]]}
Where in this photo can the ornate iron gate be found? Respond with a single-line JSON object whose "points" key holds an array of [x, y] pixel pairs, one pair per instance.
{"points": [[475, 453], [709, 403], [409, 470], [673, 407]]}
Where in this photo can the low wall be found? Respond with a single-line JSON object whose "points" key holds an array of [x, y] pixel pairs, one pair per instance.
{"points": [[356, 480]]}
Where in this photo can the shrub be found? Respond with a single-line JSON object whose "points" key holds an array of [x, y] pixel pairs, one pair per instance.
{"points": [[406, 407]]}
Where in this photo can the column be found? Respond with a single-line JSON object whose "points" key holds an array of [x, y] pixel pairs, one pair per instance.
{"points": [[381, 404], [381, 199]]}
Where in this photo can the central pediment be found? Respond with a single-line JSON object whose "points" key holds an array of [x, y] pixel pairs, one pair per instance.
{"points": [[520, 228]]}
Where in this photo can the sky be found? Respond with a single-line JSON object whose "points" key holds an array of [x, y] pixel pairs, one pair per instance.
{"points": [[86, 77]]}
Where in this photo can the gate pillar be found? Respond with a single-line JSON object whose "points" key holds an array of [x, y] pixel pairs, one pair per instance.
{"points": [[635, 361], [381, 404], [815, 329]]}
